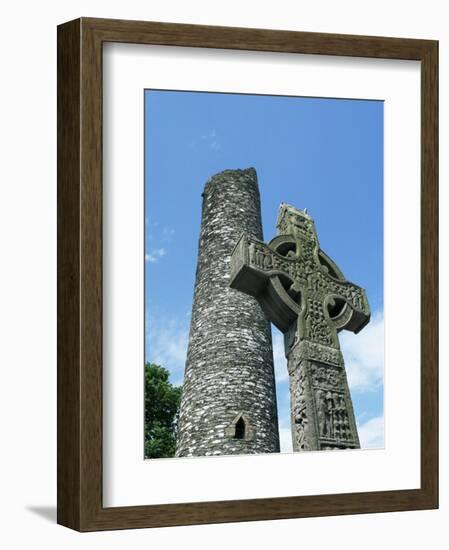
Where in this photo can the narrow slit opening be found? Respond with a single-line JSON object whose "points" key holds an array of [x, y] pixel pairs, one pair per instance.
{"points": [[240, 429]]}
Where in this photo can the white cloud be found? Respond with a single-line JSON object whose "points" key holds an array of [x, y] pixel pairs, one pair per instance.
{"points": [[364, 355], [155, 255], [280, 361], [167, 233], [285, 440], [371, 433], [167, 341], [211, 139]]}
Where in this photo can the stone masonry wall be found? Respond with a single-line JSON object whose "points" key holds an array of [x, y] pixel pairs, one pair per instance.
{"points": [[228, 403]]}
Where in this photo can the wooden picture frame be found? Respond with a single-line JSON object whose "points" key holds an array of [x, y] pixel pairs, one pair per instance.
{"points": [[80, 504]]}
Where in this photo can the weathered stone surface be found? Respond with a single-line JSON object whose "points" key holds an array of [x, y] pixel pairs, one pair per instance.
{"points": [[304, 293], [228, 402]]}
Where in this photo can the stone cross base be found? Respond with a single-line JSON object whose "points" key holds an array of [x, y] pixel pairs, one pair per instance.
{"points": [[321, 410]]}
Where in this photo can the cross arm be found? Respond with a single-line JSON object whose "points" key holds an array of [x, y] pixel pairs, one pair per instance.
{"points": [[255, 270], [250, 269], [356, 313]]}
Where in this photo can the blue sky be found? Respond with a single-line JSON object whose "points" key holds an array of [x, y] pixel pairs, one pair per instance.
{"points": [[323, 154]]}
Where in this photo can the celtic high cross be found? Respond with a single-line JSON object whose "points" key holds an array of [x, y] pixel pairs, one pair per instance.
{"points": [[304, 293]]}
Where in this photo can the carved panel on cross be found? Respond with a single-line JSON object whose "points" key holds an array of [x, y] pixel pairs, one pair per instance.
{"points": [[333, 419], [316, 352], [300, 398], [317, 326], [326, 377]]}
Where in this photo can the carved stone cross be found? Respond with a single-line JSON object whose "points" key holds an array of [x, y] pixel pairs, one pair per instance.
{"points": [[304, 293]]}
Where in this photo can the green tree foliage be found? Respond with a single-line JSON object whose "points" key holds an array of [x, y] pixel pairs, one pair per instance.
{"points": [[162, 401]]}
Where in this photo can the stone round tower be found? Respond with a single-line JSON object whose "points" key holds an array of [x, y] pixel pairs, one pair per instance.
{"points": [[228, 403]]}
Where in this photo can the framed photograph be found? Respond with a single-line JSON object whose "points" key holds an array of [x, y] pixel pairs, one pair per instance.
{"points": [[247, 274]]}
